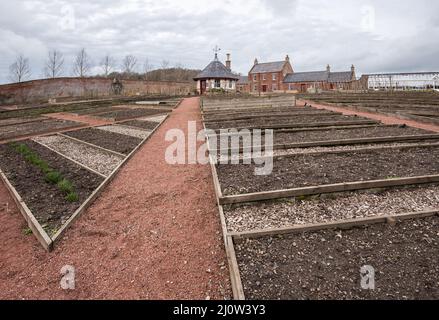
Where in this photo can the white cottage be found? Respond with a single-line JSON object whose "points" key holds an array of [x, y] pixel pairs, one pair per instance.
{"points": [[217, 77]]}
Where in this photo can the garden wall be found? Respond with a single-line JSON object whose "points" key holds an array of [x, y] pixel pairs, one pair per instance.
{"points": [[43, 90]]}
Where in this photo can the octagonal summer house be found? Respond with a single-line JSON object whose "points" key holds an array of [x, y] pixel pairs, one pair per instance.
{"points": [[217, 77]]}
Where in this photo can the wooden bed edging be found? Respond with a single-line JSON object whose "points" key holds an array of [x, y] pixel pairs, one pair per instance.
{"points": [[101, 188], [235, 276], [343, 142], [269, 115], [32, 222], [330, 188], [341, 224], [305, 125]]}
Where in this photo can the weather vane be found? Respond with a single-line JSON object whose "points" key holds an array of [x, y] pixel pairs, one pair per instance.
{"points": [[216, 50]]}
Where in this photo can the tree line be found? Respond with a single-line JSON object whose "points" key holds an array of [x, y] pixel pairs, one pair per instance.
{"points": [[129, 68]]}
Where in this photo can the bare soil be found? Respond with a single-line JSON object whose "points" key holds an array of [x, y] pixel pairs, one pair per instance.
{"points": [[109, 140], [334, 134], [130, 114], [303, 170], [46, 201], [281, 120], [35, 128], [326, 265]]}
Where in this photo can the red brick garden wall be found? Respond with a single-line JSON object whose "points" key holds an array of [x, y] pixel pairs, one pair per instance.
{"points": [[42, 90]]}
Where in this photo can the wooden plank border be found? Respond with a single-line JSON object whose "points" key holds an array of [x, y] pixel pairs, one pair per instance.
{"points": [[341, 224], [330, 188], [32, 222], [344, 142]]}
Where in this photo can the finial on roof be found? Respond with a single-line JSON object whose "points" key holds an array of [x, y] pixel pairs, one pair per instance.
{"points": [[328, 68], [287, 58], [256, 61], [216, 50]]}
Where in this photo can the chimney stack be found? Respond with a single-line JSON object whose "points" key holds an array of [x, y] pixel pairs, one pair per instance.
{"points": [[353, 69], [229, 63], [328, 68], [287, 58], [256, 61]]}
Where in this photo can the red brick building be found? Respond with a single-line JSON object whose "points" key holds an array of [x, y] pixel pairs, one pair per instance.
{"points": [[268, 77]]}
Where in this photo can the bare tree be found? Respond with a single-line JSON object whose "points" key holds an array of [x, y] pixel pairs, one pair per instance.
{"points": [[20, 69], [147, 67], [54, 64], [129, 64], [164, 66], [81, 65], [107, 65]]}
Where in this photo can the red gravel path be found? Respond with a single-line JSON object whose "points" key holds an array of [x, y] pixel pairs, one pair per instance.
{"points": [[153, 234], [375, 116]]}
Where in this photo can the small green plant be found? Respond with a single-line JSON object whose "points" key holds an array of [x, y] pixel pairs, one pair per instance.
{"points": [[53, 177], [72, 197], [65, 186], [27, 231]]}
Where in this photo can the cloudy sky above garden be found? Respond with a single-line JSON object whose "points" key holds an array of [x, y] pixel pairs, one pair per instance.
{"points": [[376, 36]]}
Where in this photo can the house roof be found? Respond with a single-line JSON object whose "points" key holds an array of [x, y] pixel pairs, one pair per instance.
{"points": [[340, 76], [243, 80], [216, 70], [313, 76], [318, 76], [268, 67]]}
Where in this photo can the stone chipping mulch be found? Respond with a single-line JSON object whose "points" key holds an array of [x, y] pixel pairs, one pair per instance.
{"points": [[94, 158], [286, 152], [330, 208], [142, 134], [153, 119]]}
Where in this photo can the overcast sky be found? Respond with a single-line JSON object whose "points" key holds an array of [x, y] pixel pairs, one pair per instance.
{"points": [[376, 36]]}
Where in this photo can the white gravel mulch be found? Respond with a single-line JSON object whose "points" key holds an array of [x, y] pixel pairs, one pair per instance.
{"points": [[94, 158], [285, 152], [153, 119], [329, 208], [138, 133]]}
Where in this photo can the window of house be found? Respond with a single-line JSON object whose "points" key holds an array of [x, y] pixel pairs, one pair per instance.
{"points": [[274, 87], [274, 77], [230, 84], [254, 77], [264, 77], [217, 83], [255, 88]]}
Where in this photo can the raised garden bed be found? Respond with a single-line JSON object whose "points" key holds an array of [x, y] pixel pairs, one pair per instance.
{"points": [[329, 208], [304, 170], [46, 200], [340, 134], [142, 124], [14, 121], [96, 159], [326, 264], [35, 128], [282, 120], [130, 114], [109, 140]]}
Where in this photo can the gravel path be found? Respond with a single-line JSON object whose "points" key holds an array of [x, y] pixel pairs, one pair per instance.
{"points": [[142, 134], [328, 208], [94, 158], [153, 233]]}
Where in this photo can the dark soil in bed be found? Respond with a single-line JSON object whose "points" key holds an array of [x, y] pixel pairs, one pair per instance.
{"points": [[46, 201], [109, 140], [130, 113], [281, 120], [148, 125], [326, 265], [304, 170], [333, 134], [35, 128]]}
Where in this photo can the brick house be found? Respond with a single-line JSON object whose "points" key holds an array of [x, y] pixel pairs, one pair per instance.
{"points": [[321, 80], [268, 77]]}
